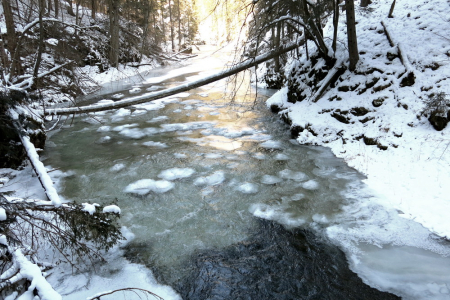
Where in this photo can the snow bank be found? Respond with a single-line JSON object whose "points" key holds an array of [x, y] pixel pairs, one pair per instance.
{"points": [[409, 162]]}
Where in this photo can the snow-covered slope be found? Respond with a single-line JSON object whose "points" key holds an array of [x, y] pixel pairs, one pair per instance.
{"points": [[374, 121]]}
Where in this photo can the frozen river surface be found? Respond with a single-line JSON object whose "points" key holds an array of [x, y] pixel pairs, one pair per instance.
{"points": [[223, 204]]}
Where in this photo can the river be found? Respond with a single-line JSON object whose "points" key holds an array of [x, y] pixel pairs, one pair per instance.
{"points": [[223, 204]]}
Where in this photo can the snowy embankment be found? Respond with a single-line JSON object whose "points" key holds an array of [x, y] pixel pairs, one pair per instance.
{"points": [[374, 121]]}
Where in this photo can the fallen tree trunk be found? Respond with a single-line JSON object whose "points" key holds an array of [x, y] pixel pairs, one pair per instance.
{"points": [[38, 167], [175, 90], [409, 78], [332, 76], [401, 51]]}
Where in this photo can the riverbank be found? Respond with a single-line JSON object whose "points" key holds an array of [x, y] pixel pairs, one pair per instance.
{"points": [[375, 123]]}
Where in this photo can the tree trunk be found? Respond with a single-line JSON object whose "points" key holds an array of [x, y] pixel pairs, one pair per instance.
{"points": [[179, 26], [351, 34], [37, 64], [11, 36], [56, 8], [70, 8], [77, 15], [277, 45], [93, 8], [146, 12], [114, 32], [4, 57], [38, 167], [163, 24], [391, 11], [335, 23], [171, 27], [316, 31], [365, 3], [49, 7]]}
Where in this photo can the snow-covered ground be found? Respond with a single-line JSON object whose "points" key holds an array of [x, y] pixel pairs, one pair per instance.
{"points": [[413, 174]]}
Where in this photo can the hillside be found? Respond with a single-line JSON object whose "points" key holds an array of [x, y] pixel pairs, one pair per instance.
{"points": [[375, 119]]}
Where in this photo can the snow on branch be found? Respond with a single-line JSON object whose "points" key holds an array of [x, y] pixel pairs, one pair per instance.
{"points": [[25, 269], [36, 21], [26, 225], [251, 62], [28, 82]]}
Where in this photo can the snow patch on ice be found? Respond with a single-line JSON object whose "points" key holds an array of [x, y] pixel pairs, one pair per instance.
{"points": [[104, 139], [117, 167], [187, 126], [216, 178], [119, 115], [150, 106], [281, 156], [275, 214], [155, 144], [134, 90], [269, 179], [133, 133], [122, 127], [213, 155], [311, 185], [247, 188], [296, 176], [259, 156], [117, 96], [176, 173], [183, 95], [154, 88], [271, 145], [104, 128], [145, 186], [139, 112], [158, 119]]}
